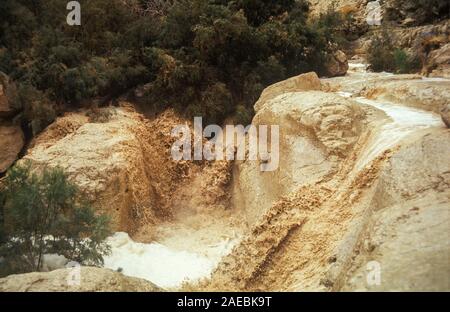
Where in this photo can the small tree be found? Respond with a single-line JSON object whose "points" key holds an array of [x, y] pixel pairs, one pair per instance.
{"points": [[383, 55], [380, 54], [405, 63], [44, 214]]}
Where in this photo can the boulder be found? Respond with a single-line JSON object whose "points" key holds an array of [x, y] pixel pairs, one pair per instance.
{"points": [[337, 64], [304, 82], [11, 143], [91, 279]]}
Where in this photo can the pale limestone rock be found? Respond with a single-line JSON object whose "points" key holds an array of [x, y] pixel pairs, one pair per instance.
{"points": [[337, 64], [411, 90], [105, 160], [304, 82], [408, 231], [316, 130], [345, 6], [121, 162], [91, 280], [317, 213]]}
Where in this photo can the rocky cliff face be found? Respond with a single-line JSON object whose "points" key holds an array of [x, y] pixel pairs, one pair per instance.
{"points": [[346, 6], [119, 159], [413, 13], [403, 12], [439, 62], [122, 162], [104, 159]]}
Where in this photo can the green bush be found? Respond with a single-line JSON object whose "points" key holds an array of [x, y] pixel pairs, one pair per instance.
{"points": [[44, 214], [260, 11], [37, 111], [405, 63], [380, 53], [384, 56]]}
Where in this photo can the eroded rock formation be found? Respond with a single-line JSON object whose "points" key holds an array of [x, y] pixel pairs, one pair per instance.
{"points": [[317, 131], [408, 231], [121, 161], [366, 203]]}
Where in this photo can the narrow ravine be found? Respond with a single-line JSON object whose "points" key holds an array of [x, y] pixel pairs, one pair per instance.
{"points": [[190, 247], [185, 248]]}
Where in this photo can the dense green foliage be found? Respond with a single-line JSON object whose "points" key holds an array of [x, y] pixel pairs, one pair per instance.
{"points": [[44, 215], [384, 56], [203, 57], [337, 28]]}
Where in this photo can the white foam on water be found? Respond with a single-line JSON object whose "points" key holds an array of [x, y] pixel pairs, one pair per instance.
{"points": [[345, 94], [159, 264], [435, 79], [357, 67]]}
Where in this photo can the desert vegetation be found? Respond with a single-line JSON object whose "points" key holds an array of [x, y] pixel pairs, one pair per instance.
{"points": [[199, 56], [384, 55], [45, 214]]}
